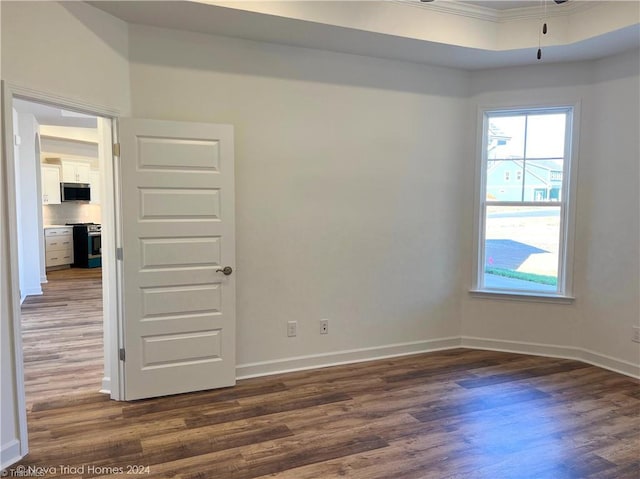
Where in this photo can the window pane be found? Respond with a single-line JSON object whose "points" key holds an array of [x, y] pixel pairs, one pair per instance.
{"points": [[543, 180], [505, 137], [504, 180], [545, 135], [522, 248]]}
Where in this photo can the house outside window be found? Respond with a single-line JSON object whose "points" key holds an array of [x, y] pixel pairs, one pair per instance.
{"points": [[524, 219]]}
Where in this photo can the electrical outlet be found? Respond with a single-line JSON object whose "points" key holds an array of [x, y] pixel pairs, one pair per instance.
{"points": [[324, 326], [636, 334], [292, 328]]}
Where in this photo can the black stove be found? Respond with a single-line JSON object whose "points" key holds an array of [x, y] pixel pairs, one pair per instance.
{"points": [[91, 227], [87, 245]]}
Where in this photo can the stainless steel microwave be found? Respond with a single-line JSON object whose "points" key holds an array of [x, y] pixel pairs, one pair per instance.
{"points": [[75, 192]]}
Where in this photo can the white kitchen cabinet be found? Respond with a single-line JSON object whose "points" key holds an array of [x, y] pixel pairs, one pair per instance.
{"points": [[96, 192], [50, 181], [58, 246], [74, 171]]}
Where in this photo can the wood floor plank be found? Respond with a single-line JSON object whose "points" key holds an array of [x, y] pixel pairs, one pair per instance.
{"points": [[444, 415], [265, 409], [62, 336]]}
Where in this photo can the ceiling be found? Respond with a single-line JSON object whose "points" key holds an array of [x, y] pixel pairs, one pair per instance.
{"points": [[469, 35]]}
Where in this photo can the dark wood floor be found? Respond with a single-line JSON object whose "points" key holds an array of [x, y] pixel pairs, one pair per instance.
{"points": [[62, 335], [445, 415]]}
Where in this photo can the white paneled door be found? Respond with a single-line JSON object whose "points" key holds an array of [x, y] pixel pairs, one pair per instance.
{"points": [[177, 202]]}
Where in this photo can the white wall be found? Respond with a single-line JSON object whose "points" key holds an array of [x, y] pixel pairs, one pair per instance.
{"points": [[55, 148], [16, 162], [347, 174], [72, 51], [68, 49], [610, 211], [29, 234], [606, 246]]}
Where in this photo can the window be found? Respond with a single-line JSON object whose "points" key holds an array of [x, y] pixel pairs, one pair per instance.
{"points": [[523, 224]]}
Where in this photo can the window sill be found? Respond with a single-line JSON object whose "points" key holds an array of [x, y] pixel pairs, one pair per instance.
{"points": [[521, 296]]}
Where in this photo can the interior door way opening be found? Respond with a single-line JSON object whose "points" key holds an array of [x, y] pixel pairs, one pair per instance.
{"points": [[168, 210], [65, 273]]}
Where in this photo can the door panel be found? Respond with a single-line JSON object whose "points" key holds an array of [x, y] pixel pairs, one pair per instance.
{"points": [[178, 231]]}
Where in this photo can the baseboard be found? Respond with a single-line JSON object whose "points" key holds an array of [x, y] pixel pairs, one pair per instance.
{"points": [[607, 362], [554, 351], [30, 292], [106, 385], [535, 349], [33, 291], [314, 361], [9, 454]]}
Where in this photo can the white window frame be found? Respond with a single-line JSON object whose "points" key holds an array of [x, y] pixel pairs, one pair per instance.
{"points": [[564, 293]]}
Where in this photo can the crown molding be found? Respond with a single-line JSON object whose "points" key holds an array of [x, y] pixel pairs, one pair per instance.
{"points": [[464, 9], [454, 8], [553, 10]]}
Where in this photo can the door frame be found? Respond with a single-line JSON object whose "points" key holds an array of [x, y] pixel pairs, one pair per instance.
{"points": [[110, 217]]}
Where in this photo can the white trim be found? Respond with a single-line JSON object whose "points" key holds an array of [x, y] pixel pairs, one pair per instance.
{"points": [[31, 94], [14, 282], [117, 327], [570, 183], [554, 351], [457, 9], [613, 364], [314, 361], [548, 204], [29, 292], [535, 13], [32, 292], [567, 203], [106, 385], [10, 454], [110, 228], [513, 295], [500, 16]]}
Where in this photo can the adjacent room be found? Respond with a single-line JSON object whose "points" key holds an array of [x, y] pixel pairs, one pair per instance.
{"points": [[57, 156], [386, 239]]}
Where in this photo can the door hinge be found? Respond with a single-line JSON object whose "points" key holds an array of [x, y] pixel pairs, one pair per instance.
{"points": [[116, 149], [122, 354], [119, 254]]}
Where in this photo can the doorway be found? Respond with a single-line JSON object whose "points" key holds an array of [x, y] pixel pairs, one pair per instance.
{"points": [[201, 201], [66, 298]]}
